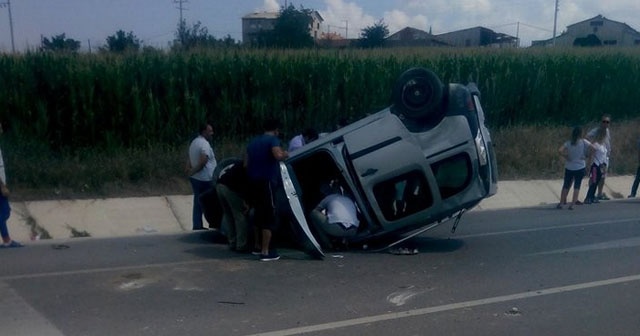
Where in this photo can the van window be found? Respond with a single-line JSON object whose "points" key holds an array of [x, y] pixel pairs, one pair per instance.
{"points": [[453, 174], [403, 195]]}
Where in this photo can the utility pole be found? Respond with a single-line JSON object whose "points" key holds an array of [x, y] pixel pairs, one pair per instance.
{"points": [[180, 7], [8, 5], [181, 25], [346, 29], [555, 22]]}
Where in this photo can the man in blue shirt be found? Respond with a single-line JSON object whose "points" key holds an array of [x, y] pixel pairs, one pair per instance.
{"points": [[264, 153]]}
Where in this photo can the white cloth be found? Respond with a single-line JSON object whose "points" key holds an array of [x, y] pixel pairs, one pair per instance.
{"points": [[200, 146], [296, 142], [340, 209], [2, 173], [600, 155]]}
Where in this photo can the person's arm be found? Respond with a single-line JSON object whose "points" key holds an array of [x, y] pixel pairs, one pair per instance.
{"points": [[563, 151], [202, 161], [279, 153], [4, 189]]}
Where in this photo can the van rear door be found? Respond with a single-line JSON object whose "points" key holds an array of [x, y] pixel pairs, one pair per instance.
{"points": [[308, 241]]}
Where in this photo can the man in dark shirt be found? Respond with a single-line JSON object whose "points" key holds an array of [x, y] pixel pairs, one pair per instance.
{"points": [[264, 153]]}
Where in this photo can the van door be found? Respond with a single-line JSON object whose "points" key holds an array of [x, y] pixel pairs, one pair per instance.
{"points": [[309, 242], [385, 160]]}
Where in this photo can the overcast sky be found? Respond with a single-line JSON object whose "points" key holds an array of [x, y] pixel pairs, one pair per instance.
{"points": [[155, 21]]}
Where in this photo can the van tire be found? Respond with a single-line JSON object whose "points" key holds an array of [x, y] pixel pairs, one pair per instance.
{"points": [[417, 94]]}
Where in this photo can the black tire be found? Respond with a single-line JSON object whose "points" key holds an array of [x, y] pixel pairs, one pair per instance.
{"points": [[417, 94], [222, 166]]}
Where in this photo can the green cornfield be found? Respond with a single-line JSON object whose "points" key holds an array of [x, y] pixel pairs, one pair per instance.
{"points": [[93, 105]]}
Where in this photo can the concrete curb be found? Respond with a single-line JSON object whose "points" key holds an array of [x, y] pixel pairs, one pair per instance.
{"points": [[118, 217]]}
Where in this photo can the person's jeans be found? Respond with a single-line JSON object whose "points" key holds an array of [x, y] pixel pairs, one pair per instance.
{"points": [[636, 181], [199, 187], [5, 212], [233, 209]]}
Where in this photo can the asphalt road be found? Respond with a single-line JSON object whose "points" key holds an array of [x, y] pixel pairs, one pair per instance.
{"points": [[534, 271]]}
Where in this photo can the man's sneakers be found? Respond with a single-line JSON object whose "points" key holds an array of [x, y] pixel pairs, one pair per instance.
{"points": [[270, 257], [12, 244], [603, 197]]}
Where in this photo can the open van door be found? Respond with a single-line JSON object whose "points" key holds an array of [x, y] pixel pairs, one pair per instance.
{"points": [[309, 242]]}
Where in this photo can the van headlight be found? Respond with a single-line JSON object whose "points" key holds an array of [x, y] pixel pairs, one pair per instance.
{"points": [[481, 149]]}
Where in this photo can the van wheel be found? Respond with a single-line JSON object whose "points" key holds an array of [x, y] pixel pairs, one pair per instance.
{"points": [[417, 94], [222, 166]]}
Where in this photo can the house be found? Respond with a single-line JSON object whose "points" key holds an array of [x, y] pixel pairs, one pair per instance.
{"points": [[478, 37], [255, 23], [413, 37], [596, 31]]}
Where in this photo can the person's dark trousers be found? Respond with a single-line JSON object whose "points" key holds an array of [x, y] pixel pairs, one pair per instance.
{"points": [[636, 181], [594, 178], [5, 212], [199, 187]]}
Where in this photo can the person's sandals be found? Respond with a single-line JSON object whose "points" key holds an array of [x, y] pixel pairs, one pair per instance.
{"points": [[404, 251], [13, 243]]}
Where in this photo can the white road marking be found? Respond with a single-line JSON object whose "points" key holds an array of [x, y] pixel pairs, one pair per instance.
{"points": [[447, 307], [620, 243], [101, 270], [19, 318], [559, 227]]}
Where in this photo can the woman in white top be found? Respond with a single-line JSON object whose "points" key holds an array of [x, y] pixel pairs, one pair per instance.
{"points": [[598, 166], [575, 152]]}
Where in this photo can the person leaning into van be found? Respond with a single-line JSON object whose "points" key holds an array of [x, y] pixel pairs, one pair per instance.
{"points": [[232, 189], [574, 152], [336, 215]]}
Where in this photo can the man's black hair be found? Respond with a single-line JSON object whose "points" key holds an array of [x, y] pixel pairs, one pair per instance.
{"points": [[310, 133], [270, 124]]}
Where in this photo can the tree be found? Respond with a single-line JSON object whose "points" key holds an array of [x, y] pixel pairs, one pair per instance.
{"points": [[60, 43], [374, 36], [122, 42], [291, 29], [192, 37]]}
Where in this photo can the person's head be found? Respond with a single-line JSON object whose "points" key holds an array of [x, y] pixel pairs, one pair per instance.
{"points": [[576, 134], [206, 130], [605, 121], [309, 134], [331, 186], [271, 125]]}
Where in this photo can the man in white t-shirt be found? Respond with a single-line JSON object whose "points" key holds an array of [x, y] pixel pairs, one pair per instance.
{"points": [[199, 168]]}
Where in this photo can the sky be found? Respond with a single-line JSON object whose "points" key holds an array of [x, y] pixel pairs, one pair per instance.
{"points": [[154, 22]]}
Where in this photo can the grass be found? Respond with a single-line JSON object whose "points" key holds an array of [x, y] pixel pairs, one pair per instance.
{"points": [[526, 152]]}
